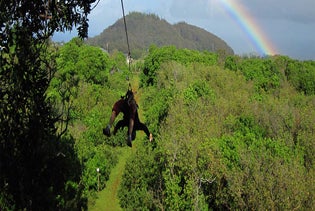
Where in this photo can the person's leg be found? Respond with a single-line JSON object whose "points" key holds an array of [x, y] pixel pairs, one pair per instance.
{"points": [[120, 124], [140, 126]]}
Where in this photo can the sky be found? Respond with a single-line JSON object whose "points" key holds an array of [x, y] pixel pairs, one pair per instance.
{"points": [[285, 27]]}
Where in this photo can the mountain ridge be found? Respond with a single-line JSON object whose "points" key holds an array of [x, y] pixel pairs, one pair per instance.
{"points": [[147, 29]]}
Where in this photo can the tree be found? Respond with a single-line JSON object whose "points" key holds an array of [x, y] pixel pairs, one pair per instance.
{"points": [[301, 75], [31, 155], [158, 56]]}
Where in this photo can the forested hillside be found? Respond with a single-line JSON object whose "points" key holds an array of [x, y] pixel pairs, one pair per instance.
{"points": [[230, 132], [145, 30]]}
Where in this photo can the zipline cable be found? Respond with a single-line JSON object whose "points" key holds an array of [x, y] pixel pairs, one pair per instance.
{"points": [[129, 54], [123, 10]]}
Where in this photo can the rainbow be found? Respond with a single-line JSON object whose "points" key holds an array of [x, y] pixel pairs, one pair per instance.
{"points": [[250, 27]]}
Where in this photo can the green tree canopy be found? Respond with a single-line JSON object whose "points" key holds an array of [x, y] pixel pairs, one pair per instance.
{"points": [[226, 140]]}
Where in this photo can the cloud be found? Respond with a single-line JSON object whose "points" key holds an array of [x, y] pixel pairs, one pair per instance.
{"points": [[198, 9], [297, 11]]}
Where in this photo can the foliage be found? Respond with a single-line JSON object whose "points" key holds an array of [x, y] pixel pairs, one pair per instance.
{"points": [[302, 76], [156, 107], [142, 179], [29, 146], [78, 59], [198, 89], [267, 73], [31, 151], [41, 19], [263, 72], [235, 140], [227, 140], [158, 56], [87, 84], [101, 158], [222, 138]]}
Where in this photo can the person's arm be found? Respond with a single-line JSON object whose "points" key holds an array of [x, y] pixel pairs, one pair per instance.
{"points": [[112, 118], [115, 112]]}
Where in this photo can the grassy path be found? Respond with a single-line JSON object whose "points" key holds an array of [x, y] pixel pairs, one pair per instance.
{"points": [[107, 199]]}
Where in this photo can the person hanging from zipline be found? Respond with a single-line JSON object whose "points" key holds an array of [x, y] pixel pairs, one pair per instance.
{"points": [[128, 106]]}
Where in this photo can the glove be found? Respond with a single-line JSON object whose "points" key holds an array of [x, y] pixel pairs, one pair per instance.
{"points": [[106, 131], [129, 141]]}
